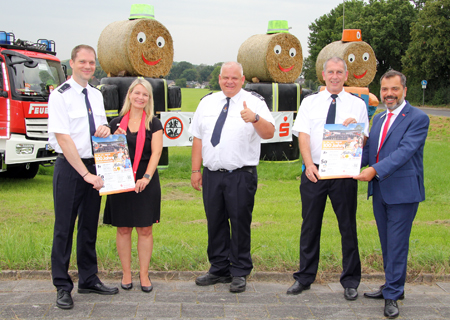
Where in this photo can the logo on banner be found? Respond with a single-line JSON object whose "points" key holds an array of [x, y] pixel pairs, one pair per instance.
{"points": [[284, 128], [173, 128]]}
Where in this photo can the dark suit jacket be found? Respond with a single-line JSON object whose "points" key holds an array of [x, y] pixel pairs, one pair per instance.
{"points": [[400, 166]]}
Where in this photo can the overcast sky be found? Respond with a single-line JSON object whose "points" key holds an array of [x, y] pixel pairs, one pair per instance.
{"points": [[202, 31]]}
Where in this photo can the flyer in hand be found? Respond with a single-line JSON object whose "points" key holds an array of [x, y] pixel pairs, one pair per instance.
{"points": [[341, 151], [112, 160]]}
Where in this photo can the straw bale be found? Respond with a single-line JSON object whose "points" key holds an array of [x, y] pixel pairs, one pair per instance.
{"points": [[259, 60], [119, 49], [359, 57]]}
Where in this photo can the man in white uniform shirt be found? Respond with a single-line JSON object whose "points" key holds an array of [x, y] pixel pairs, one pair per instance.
{"points": [[309, 125], [75, 111], [229, 146]]}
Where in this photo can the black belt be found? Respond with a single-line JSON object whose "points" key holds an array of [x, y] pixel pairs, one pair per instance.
{"points": [[250, 169], [87, 162]]}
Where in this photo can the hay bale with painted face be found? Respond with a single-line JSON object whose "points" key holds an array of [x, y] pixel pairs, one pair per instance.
{"points": [[359, 56], [271, 57], [140, 46], [361, 65]]}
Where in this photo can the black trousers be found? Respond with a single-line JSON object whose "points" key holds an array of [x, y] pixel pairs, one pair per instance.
{"points": [[73, 198], [228, 198], [343, 196]]}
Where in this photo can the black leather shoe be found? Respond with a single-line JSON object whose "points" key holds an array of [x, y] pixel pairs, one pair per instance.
{"points": [[99, 288], [379, 294], [210, 279], [391, 309], [297, 288], [146, 289], [64, 299], [238, 284], [350, 293]]}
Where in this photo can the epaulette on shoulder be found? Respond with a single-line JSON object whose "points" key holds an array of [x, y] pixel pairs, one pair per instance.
{"points": [[64, 88], [206, 95], [95, 87], [357, 96], [256, 94]]}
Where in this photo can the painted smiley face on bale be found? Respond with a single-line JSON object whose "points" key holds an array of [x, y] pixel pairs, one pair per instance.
{"points": [[150, 48], [141, 47], [359, 57], [361, 64], [284, 58]]}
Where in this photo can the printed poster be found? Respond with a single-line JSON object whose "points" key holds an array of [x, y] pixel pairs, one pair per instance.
{"points": [[341, 151], [112, 160]]}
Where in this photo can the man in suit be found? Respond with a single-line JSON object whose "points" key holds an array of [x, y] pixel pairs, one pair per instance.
{"points": [[394, 153]]}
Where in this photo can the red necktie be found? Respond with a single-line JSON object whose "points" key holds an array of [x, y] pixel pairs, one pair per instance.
{"points": [[385, 130]]}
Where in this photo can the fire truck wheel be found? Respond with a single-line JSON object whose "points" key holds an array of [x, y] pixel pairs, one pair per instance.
{"points": [[23, 171]]}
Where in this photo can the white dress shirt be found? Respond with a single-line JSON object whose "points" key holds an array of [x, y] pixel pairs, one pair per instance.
{"points": [[239, 145], [313, 113], [395, 113], [67, 114]]}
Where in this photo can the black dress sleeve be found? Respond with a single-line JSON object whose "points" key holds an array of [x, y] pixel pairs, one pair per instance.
{"points": [[156, 125]]}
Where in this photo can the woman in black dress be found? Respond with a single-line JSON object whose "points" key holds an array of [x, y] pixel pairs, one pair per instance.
{"points": [[139, 208]]}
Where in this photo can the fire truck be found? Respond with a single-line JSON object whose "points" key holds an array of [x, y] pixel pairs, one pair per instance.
{"points": [[29, 72]]}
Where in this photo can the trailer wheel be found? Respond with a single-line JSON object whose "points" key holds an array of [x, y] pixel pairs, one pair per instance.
{"points": [[24, 171]]}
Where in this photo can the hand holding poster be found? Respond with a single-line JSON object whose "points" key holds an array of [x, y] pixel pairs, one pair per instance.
{"points": [[113, 164], [341, 151]]}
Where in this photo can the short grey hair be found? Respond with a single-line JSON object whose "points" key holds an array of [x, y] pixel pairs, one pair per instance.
{"points": [[334, 59], [232, 63]]}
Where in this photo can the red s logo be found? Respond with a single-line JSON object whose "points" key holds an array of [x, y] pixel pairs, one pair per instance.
{"points": [[284, 129]]}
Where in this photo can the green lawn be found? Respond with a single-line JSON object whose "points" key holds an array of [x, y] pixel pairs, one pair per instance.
{"points": [[26, 218]]}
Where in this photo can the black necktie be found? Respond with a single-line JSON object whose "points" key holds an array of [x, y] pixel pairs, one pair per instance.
{"points": [[331, 117], [90, 115], [215, 138]]}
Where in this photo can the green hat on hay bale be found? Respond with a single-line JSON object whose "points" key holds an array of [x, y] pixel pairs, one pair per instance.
{"points": [[278, 26], [142, 11]]}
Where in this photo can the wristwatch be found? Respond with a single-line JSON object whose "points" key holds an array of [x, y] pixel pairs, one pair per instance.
{"points": [[149, 177], [256, 118]]}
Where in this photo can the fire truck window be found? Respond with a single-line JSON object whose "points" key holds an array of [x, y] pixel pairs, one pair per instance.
{"points": [[41, 80]]}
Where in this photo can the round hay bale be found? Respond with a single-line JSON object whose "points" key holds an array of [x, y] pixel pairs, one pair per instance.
{"points": [[271, 57], [141, 47], [360, 59]]}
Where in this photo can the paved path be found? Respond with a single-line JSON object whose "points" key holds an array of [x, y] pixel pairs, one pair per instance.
{"points": [[442, 112], [181, 299]]}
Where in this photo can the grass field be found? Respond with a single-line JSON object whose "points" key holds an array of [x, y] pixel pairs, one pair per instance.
{"points": [[26, 218]]}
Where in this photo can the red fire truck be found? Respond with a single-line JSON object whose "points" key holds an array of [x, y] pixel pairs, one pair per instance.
{"points": [[29, 72]]}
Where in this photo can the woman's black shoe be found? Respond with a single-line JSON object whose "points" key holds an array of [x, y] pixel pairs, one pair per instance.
{"points": [[146, 289], [127, 286]]}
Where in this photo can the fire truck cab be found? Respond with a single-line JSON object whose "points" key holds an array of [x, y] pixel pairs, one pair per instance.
{"points": [[29, 72]]}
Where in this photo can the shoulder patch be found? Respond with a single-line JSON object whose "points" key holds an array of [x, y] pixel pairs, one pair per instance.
{"points": [[206, 95], [352, 93], [64, 88], [256, 94], [95, 87]]}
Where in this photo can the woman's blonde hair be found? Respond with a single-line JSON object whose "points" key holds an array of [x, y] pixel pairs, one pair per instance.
{"points": [[148, 109]]}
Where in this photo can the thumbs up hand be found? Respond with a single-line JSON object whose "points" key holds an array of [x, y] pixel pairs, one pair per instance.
{"points": [[247, 114]]}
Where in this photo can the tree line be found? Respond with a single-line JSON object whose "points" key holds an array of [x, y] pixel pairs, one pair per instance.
{"points": [[408, 36]]}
